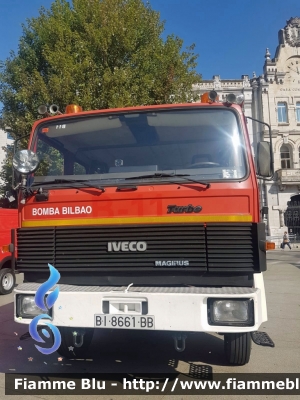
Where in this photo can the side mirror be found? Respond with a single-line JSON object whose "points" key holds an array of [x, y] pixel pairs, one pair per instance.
{"points": [[264, 167], [16, 175]]}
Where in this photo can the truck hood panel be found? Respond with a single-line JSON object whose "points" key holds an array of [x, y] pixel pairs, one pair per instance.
{"points": [[148, 204]]}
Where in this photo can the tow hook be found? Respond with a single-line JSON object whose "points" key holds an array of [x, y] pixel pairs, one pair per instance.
{"points": [[78, 337], [179, 342]]}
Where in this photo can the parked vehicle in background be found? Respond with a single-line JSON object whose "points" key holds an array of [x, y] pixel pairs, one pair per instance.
{"points": [[8, 221]]}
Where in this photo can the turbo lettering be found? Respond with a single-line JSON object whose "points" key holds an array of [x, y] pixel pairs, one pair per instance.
{"points": [[173, 208]]}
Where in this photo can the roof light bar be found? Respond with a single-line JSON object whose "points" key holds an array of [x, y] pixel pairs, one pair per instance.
{"points": [[73, 108], [231, 98], [209, 97]]}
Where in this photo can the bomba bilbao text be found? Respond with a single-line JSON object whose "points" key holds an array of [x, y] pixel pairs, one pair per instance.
{"points": [[78, 210]]}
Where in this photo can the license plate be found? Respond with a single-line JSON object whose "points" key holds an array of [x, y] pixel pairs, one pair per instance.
{"points": [[124, 321]]}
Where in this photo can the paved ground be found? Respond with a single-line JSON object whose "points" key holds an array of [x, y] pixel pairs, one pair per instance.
{"points": [[118, 351]]}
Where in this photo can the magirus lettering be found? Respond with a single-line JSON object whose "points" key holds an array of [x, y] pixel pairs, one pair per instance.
{"points": [[173, 208], [172, 263], [126, 246]]}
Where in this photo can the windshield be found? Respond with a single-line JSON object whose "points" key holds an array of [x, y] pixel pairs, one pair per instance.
{"points": [[203, 143]]}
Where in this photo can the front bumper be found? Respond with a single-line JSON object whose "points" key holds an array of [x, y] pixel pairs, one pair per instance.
{"points": [[174, 309]]}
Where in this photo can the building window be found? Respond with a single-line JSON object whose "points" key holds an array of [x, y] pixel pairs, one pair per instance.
{"points": [[298, 111], [285, 157], [282, 112]]}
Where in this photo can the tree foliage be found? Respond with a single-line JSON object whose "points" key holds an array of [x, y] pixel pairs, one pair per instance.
{"points": [[96, 53], [6, 176]]}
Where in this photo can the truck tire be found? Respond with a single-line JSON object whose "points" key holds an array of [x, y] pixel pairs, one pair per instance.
{"points": [[7, 280], [237, 348], [67, 341]]}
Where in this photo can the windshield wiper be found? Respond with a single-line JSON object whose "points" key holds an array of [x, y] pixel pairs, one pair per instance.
{"points": [[157, 175], [165, 175], [61, 180]]}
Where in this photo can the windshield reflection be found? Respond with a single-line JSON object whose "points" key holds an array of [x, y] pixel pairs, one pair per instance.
{"points": [[205, 143]]}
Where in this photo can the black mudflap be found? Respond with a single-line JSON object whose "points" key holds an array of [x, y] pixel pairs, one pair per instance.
{"points": [[262, 339]]}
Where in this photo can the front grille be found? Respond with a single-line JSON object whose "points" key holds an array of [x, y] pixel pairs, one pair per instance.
{"points": [[212, 248], [231, 248], [86, 247]]}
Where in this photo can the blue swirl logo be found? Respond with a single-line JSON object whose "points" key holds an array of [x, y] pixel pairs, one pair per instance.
{"points": [[45, 303]]}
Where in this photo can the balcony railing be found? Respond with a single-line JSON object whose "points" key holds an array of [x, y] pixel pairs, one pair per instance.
{"points": [[288, 177]]}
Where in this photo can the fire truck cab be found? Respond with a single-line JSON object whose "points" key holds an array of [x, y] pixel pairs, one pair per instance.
{"points": [[151, 216]]}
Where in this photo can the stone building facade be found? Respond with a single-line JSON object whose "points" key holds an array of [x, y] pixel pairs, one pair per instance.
{"points": [[274, 97], [276, 100]]}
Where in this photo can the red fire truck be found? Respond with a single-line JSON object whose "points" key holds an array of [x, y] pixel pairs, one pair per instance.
{"points": [[8, 221], [151, 215]]}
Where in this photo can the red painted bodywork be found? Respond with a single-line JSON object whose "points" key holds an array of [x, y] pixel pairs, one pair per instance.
{"points": [[8, 221], [222, 198]]}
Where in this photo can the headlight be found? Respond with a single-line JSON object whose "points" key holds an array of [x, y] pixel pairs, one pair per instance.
{"points": [[238, 312], [26, 307], [25, 161]]}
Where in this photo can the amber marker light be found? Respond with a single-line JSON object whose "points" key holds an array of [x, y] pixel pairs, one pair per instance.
{"points": [[5, 248], [209, 97], [270, 246], [73, 108]]}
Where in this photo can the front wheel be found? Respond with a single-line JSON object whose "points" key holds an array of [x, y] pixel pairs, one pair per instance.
{"points": [[67, 348], [7, 280], [237, 348]]}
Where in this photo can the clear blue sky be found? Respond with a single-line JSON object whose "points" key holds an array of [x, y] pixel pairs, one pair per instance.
{"points": [[230, 36]]}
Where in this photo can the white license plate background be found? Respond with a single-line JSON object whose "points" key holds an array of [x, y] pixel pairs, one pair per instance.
{"points": [[118, 321]]}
